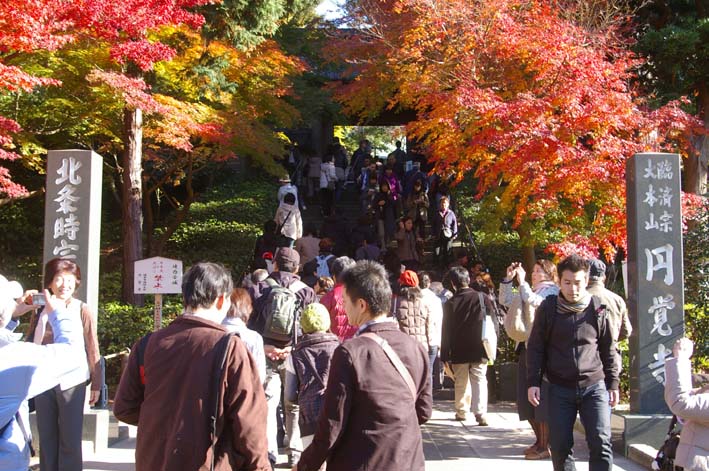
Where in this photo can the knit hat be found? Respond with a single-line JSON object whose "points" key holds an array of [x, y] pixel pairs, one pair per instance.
{"points": [[409, 278], [315, 318], [598, 269]]}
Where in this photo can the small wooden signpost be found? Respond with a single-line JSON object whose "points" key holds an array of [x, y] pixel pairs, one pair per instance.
{"points": [[158, 276]]}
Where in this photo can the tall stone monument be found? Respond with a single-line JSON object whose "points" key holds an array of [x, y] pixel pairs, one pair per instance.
{"points": [[72, 215], [655, 286]]}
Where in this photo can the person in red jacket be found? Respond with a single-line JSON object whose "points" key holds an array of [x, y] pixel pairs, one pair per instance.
{"points": [[333, 301]]}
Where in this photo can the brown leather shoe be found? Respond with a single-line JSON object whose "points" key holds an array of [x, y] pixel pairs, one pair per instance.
{"points": [[538, 455], [530, 449]]}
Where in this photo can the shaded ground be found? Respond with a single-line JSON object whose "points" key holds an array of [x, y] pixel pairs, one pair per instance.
{"points": [[448, 445]]}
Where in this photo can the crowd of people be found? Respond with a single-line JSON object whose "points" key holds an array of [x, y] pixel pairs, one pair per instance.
{"points": [[333, 345], [347, 372], [397, 199]]}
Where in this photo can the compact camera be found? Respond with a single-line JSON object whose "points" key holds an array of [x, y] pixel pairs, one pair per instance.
{"points": [[38, 299]]}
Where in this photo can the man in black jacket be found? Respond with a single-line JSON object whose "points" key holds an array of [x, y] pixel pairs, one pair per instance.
{"points": [[572, 346], [462, 347]]}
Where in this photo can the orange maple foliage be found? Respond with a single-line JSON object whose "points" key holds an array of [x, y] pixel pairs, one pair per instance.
{"points": [[540, 110], [31, 25]]}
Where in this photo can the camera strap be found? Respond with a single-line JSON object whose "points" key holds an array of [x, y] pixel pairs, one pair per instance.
{"points": [[23, 429]]}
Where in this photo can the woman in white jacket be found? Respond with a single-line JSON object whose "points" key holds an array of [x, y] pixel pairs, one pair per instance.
{"points": [[690, 405], [328, 183], [521, 307], [289, 220]]}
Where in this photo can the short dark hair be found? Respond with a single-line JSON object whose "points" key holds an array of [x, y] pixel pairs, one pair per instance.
{"points": [[424, 279], [203, 283], [289, 198], [61, 265], [340, 264], [368, 280], [573, 263], [459, 277]]}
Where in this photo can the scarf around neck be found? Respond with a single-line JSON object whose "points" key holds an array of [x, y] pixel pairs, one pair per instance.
{"points": [[565, 307]]}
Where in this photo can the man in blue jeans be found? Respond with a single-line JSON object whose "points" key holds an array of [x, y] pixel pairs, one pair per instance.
{"points": [[572, 347]]}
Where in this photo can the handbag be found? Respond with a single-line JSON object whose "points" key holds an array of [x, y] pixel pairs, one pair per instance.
{"points": [[665, 459], [489, 336], [513, 323]]}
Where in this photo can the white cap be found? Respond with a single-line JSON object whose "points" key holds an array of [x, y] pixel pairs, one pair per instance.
{"points": [[10, 289]]}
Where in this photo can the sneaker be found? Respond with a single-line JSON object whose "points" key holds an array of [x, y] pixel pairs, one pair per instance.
{"points": [[460, 418], [481, 420]]}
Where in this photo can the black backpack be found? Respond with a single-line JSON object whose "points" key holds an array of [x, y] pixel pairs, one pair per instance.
{"points": [[221, 349], [665, 459]]}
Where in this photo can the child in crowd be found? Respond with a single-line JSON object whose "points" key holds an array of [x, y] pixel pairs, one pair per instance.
{"points": [[307, 368]]}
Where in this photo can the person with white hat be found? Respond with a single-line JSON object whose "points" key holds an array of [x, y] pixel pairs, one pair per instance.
{"points": [[288, 187], [27, 369]]}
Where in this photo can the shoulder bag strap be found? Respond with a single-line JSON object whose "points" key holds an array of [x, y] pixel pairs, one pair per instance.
{"points": [[282, 225], [221, 349], [142, 345], [483, 308], [396, 361]]}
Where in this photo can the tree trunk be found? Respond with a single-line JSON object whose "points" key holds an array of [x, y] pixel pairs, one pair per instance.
{"points": [[181, 213], [149, 219], [132, 201], [695, 165]]}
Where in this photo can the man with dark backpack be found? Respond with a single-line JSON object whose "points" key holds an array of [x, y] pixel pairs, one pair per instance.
{"points": [[571, 345], [198, 401], [276, 315]]}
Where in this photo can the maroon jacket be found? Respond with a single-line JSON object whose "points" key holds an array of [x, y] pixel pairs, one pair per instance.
{"points": [[369, 420], [171, 409]]}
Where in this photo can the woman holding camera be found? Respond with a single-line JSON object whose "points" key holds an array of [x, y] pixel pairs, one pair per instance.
{"points": [[689, 404], [60, 411], [521, 306]]}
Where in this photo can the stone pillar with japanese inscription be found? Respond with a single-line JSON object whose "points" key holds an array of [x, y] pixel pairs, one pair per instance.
{"points": [[655, 274], [72, 215]]}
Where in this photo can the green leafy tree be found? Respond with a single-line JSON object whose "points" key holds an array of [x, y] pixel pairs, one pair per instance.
{"points": [[675, 39], [696, 285]]}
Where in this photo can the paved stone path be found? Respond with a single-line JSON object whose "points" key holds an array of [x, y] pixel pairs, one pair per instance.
{"points": [[448, 445]]}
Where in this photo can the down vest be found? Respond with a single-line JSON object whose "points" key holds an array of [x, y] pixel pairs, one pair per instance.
{"points": [[414, 319]]}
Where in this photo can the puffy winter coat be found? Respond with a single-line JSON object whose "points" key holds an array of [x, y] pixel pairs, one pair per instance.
{"points": [[339, 324], [413, 317]]}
